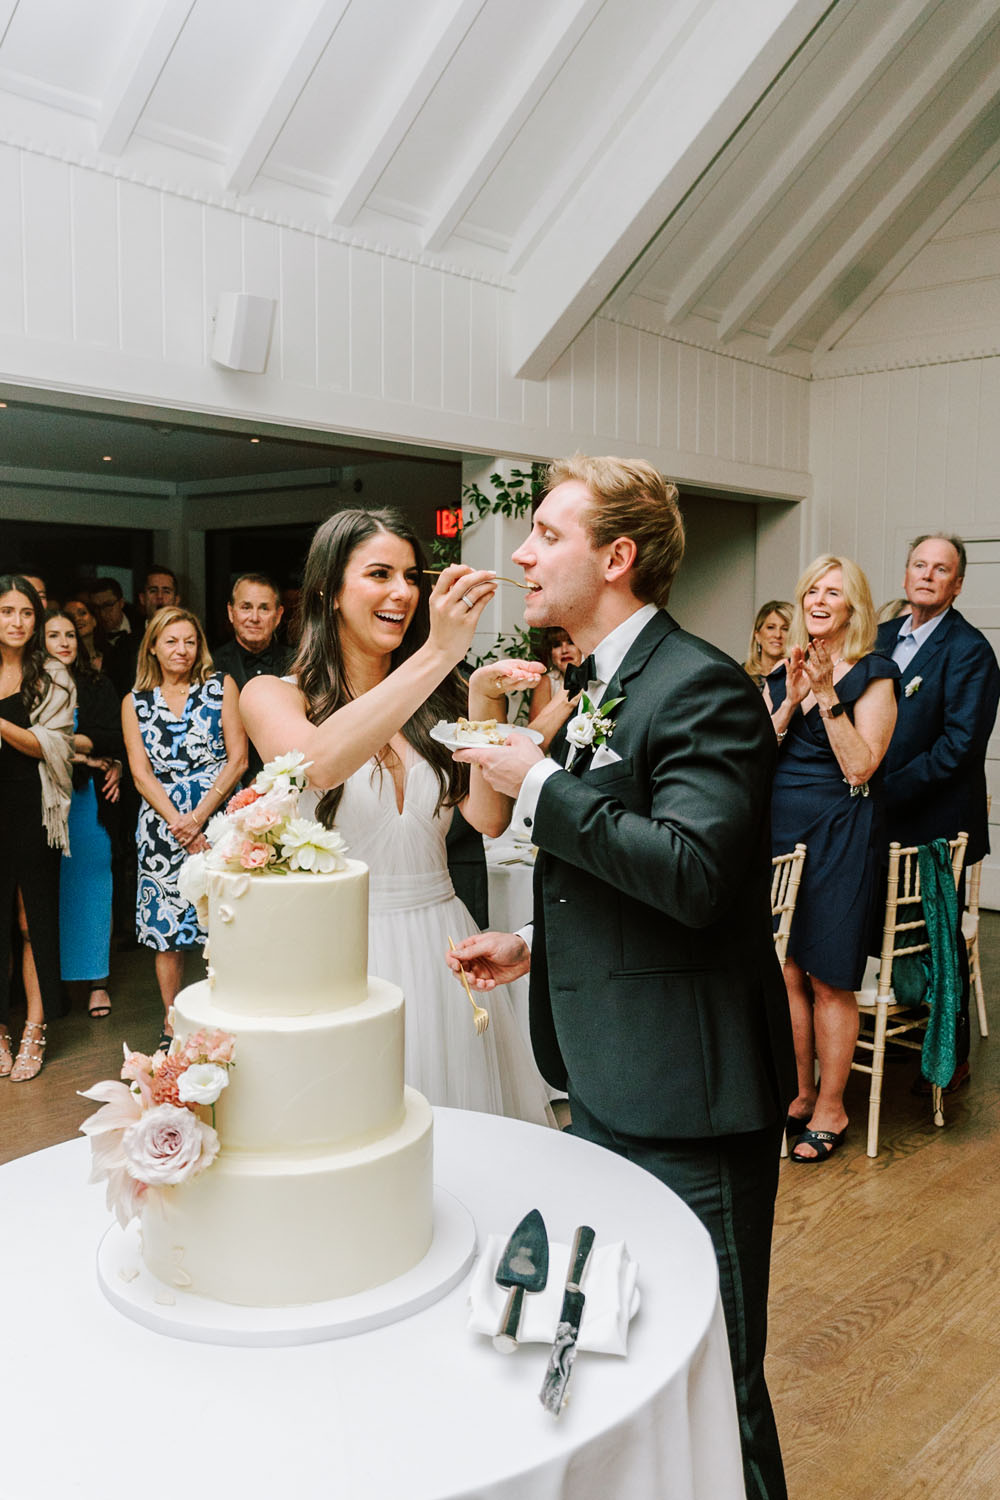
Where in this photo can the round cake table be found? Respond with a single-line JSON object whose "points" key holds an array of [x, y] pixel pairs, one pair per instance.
{"points": [[100, 1408]]}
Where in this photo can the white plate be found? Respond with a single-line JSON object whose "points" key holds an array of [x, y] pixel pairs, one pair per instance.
{"points": [[445, 734]]}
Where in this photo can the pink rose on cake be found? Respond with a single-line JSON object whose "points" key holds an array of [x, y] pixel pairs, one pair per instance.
{"points": [[207, 1046], [262, 816], [167, 1145], [255, 856]]}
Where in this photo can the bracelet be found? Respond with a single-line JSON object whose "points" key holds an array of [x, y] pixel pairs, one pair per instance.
{"points": [[780, 734]]}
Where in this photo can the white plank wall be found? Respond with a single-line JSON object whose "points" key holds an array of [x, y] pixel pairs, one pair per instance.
{"points": [[108, 286], [902, 451]]}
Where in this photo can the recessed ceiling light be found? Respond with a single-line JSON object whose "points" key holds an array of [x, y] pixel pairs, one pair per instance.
{"points": [[107, 458], [4, 405], [255, 440]]}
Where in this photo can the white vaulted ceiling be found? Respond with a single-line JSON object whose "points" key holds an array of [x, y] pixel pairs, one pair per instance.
{"points": [[749, 172]]}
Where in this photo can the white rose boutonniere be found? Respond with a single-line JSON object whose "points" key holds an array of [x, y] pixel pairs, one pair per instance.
{"points": [[592, 727], [912, 687]]}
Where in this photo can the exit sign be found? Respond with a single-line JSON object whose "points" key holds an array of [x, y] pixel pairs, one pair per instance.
{"points": [[448, 522]]}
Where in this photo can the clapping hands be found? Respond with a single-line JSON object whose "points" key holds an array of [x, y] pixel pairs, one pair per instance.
{"points": [[808, 671]]}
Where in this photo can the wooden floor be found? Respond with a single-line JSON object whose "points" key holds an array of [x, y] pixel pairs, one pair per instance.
{"points": [[885, 1301]]}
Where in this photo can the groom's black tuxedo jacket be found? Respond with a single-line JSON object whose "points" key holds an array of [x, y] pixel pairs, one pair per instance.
{"points": [[935, 768], [655, 992]]}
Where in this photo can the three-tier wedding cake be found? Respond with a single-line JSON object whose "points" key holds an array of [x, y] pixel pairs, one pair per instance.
{"points": [[307, 1174]]}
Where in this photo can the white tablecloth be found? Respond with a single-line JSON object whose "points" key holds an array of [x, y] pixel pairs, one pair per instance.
{"points": [[97, 1407], [510, 870]]}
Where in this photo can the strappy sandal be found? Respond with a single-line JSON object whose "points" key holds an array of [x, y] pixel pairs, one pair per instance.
{"points": [[30, 1054], [823, 1142], [6, 1055], [98, 1012]]}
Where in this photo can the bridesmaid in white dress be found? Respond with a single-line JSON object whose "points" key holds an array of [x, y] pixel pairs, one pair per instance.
{"points": [[375, 670]]}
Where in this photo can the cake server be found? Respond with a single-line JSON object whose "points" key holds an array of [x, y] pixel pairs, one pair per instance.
{"points": [[524, 1267], [553, 1392]]}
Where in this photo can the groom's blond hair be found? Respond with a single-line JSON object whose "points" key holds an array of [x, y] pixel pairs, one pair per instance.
{"points": [[631, 499]]}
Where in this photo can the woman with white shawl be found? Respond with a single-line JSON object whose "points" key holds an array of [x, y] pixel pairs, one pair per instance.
{"points": [[37, 701]]}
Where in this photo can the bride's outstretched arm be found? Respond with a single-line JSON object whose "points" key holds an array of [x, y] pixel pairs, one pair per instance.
{"points": [[486, 809], [274, 712]]}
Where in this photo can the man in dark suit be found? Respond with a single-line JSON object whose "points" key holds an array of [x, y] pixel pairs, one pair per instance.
{"points": [[121, 633], [656, 998], [935, 769], [255, 612]]}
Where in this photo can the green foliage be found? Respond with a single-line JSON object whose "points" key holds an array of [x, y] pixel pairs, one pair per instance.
{"points": [[511, 496]]}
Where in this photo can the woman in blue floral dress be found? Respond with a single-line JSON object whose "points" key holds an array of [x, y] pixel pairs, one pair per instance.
{"points": [[187, 751]]}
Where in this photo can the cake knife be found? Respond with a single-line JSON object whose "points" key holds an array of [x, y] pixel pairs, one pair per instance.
{"points": [[553, 1392], [523, 1267]]}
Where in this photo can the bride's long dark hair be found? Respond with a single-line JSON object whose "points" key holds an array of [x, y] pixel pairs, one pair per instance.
{"points": [[319, 663]]}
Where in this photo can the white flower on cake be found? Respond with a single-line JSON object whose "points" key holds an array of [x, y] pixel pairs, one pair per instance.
{"points": [[192, 882], [310, 846], [167, 1145], [259, 832], [285, 772], [201, 1083], [147, 1135]]}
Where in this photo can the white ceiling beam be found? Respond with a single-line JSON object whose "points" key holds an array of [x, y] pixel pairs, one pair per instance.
{"points": [[841, 188], [689, 111], [901, 23], [146, 54], [291, 72], [931, 226], [600, 125], [392, 118], [874, 225], [7, 9], [529, 83]]}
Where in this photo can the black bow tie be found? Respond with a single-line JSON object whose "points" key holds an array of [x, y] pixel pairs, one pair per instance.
{"points": [[578, 679]]}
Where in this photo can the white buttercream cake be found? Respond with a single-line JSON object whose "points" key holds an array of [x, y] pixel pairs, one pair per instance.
{"points": [[323, 1184]]}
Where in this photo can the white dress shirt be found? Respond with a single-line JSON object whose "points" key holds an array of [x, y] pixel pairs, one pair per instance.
{"points": [[608, 657]]}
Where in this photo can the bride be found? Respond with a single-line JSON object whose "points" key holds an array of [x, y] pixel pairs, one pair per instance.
{"points": [[376, 668]]}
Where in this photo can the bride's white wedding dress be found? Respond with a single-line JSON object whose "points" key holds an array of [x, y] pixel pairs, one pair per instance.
{"points": [[412, 911]]}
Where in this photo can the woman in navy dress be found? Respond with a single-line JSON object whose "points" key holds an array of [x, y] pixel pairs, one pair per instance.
{"points": [[85, 876], [833, 707], [187, 751]]}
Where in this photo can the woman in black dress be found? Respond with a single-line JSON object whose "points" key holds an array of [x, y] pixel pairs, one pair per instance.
{"points": [[833, 707], [37, 701]]}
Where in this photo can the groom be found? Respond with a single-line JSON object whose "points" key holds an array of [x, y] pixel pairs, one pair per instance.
{"points": [[656, 998]]}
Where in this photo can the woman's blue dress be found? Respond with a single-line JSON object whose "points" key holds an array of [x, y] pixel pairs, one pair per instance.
{"points": [[186, 756], [843, 829], [85, 890]]}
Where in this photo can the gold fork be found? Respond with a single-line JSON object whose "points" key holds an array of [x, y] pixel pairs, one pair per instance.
{"points": [[436, 573], [481, 1018]]}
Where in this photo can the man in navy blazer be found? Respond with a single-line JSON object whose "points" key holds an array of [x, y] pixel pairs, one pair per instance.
{"points": [[935, 772], [656, 998]]}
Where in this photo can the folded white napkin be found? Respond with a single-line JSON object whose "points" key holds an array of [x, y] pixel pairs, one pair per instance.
{"points": [[609, 1286]]}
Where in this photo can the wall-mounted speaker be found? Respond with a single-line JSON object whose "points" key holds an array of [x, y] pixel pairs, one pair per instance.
{"points": [[242, 331]]}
